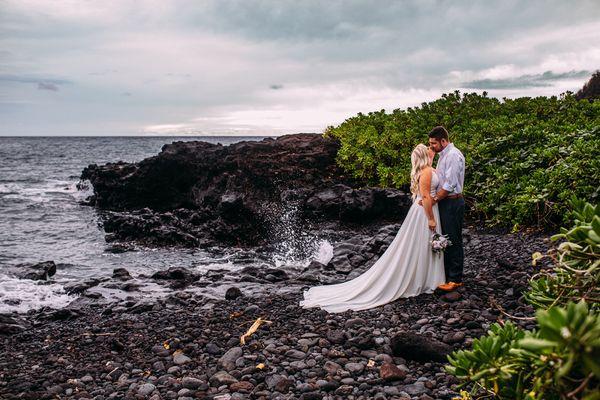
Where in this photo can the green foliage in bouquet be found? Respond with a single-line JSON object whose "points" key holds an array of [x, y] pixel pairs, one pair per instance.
{"points": [[525, 157], [576, 274], [560, 360]]}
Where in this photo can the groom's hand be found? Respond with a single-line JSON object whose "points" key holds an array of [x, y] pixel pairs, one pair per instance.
{"points": [[421, 202]]}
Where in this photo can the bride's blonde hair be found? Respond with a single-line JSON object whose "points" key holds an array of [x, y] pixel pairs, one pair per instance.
{"points": [[420, 160]]}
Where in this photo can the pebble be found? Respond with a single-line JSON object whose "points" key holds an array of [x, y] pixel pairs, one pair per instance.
{"points": [[146, 389], [181, 359], [415, 389], [221, 378], [227, 360], [191, 383], [355, 368]]}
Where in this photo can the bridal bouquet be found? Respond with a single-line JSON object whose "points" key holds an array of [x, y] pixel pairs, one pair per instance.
{"points": [[439, 243]]}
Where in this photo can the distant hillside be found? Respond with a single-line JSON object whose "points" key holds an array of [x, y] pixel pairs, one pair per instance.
{"points": [[591, 90]]}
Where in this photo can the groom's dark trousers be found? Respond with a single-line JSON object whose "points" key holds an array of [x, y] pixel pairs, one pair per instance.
{"points": [[452, 212]]}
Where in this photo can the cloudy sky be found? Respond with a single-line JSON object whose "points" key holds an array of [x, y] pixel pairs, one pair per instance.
{"points": [[271, 67]]}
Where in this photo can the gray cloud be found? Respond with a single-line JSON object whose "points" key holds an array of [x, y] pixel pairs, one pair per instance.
{"points": [[545, 79], [225, 62], [47, 86], [32, 79]]}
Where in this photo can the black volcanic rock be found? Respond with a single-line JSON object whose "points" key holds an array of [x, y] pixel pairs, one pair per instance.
{"points": [[38, 272], [198, 174], [412, 346], [201, 194]]}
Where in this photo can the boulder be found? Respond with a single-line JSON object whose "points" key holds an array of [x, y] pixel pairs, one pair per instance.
{"points": [[38, 272], [412, 346]]}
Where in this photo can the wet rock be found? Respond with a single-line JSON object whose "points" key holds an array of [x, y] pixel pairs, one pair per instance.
{"points": [[63, 314], [175, 273], [80, 287], [38, 272], [121, 274], [233, 293], [119, 248], [10, 324], [112, 348]]}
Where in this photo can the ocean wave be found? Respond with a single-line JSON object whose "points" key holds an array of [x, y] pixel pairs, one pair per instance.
{"points": [[21, 295], [45, 191]]}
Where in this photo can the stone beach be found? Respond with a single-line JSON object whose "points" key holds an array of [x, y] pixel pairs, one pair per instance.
{"points": [[187, 346]]}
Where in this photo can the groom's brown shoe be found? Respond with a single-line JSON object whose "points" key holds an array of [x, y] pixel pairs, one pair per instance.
{"points": [[450, 286]]}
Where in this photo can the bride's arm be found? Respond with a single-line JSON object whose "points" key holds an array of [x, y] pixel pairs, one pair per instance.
{"points": [[424, 189]]}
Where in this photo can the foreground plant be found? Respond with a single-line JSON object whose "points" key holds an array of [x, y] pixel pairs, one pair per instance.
{"points": [[576, 274], [560, 360]]}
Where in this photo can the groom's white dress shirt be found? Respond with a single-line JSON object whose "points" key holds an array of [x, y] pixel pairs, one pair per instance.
{"points": [[451, 169]]}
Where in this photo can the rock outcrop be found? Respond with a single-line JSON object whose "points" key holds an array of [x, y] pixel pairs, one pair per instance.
{"points": [[199, 194]]}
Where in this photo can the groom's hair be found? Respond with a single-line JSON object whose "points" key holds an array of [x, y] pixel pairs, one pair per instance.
{"points": [[438, 133]]}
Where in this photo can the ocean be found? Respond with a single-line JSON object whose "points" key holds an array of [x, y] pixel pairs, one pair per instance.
{"points": [[41, 218]]}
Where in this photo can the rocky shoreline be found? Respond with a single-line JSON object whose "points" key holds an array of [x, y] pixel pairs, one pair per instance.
{"points": [[187, 345]]}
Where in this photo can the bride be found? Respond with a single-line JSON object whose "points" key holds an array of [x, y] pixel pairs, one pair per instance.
{"points": [[408, 267]]}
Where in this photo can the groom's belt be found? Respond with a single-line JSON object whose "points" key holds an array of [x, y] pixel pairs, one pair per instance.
{"points": [[454, 196]]}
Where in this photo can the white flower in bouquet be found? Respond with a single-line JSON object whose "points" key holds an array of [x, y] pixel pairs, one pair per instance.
{"points": [[439, 243]]}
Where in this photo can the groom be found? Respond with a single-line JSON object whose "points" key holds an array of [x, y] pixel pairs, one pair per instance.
{"points": [[451, 171]]}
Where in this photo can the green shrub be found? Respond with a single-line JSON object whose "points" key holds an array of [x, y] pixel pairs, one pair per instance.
{"points": [[560, 360], [576, 274], [525, 157]]}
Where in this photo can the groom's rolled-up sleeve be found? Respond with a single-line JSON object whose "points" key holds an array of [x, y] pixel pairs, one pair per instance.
{"points": [[452, 173]]}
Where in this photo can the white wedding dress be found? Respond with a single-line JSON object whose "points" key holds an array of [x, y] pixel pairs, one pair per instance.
{"points": [[407, 268]]}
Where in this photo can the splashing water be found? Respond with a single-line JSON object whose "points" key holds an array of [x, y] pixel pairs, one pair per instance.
{"points": [[295, 243], [21, 295], [324, 252]]}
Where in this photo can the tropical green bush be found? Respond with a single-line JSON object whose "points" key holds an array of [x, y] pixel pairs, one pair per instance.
{"points": [[525, 157], [576, 274], [560, 360]]}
